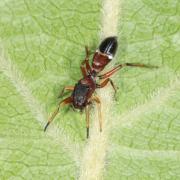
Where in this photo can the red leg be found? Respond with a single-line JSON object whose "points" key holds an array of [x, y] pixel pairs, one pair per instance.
{"points": [[108, 74], [70, 88], [64, 102], [104, 83], [87, 67], [83, 70]]}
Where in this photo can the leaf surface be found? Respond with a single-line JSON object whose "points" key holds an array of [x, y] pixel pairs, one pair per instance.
{"points": [[41, 48]]}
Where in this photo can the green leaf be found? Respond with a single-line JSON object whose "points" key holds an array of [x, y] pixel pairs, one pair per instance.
{"points": [[41, 49]]}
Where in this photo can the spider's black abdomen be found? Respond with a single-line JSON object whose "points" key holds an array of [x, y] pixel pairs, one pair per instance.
{"points": [[109, 46]]}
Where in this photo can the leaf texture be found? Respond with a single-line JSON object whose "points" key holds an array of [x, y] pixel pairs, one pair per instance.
{"points": [[41, 48]]}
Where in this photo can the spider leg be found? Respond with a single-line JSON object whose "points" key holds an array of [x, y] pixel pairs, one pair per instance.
{"points": [[69, 88], [85, 70], [63, 102], [87, 120], [97, 100], [111, 72], [105, 82]]}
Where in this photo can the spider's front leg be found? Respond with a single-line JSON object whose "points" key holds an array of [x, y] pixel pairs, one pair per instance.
{"points": [[87, 68]]}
